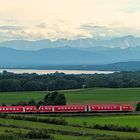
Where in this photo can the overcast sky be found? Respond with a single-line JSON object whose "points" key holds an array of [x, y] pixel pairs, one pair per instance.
{"points": [[54, 19]]}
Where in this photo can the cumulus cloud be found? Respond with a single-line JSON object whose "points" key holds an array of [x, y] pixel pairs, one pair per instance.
{"points": [[52, 19], [42, 31], [110, 30]]}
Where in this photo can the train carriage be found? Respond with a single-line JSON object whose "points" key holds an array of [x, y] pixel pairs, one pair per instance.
{"points": [[71, 108], [45, 109], [63, 108], [30, 109], [127, 107], [11, 109], [104, 107], [110, 108]]}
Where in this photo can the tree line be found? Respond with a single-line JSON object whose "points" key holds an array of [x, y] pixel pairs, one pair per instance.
{"points": [[60, 81]]}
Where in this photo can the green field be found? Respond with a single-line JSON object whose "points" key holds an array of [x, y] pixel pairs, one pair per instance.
{"points": [[116, 120], [83, 96], [26, 126], [68, 132]]}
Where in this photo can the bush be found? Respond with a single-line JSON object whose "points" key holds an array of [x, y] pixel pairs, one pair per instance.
{"points": [[39, 134], [54, 98], [138, 106], [115, 128]]}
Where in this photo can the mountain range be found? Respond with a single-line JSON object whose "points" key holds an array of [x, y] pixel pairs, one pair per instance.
{"points": [[115, 54], [121, 42]]}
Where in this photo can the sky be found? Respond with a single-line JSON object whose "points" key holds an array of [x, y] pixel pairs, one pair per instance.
{"points": [[71, 19]]}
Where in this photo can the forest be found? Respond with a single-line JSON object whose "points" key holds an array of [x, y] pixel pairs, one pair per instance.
{"points": [[60, 81]]}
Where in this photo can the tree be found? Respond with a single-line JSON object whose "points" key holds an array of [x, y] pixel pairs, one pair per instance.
{"points": [[39, 103], [32, 86], [60, 100], [54, 98], [10, 85], [49, 98], [32, 102]]}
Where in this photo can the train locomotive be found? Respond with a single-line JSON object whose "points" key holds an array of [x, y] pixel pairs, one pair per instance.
{"points": [[68, 108]]}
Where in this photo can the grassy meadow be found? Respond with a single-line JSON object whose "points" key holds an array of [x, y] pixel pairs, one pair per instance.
{"points": [[74, 129], [81, 96]]}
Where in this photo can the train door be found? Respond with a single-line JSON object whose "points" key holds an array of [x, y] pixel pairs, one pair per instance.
{"points": [[52, 108], [24, 109], [88, 108]]}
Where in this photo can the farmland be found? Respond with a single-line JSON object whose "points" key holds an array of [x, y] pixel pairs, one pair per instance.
{"points": [[77, 127], [74, 128], [81, 96]]}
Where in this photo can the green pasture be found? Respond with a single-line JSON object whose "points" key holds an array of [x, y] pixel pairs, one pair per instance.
{"points": [[133, 121], [38, 125], [83, 96]]}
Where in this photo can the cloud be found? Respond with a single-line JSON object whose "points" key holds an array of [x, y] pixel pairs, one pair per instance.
{"points": [[53, 19], [42, 31], [10, 28], [102, 31], [42, 25]]}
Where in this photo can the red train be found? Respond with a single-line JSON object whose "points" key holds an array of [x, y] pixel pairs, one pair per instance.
{"points": [[68, 108]]}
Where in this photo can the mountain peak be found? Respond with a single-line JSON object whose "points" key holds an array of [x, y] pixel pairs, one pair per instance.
{"points": [[118, 42]]}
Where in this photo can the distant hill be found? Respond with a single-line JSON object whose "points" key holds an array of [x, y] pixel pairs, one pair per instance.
{"points": [[50, 56], [120, 66], [71, 58]]}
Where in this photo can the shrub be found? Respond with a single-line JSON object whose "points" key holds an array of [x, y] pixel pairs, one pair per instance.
{"points": [[138, 106]]}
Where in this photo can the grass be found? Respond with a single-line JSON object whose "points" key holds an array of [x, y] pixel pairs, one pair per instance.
{"points": [[24, 125], [86, 96], [68, 128], [66, 137], [14, 97], [133, 121]]}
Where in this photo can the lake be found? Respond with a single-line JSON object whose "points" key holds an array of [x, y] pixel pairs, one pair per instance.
{"points": [[19, 71]]}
